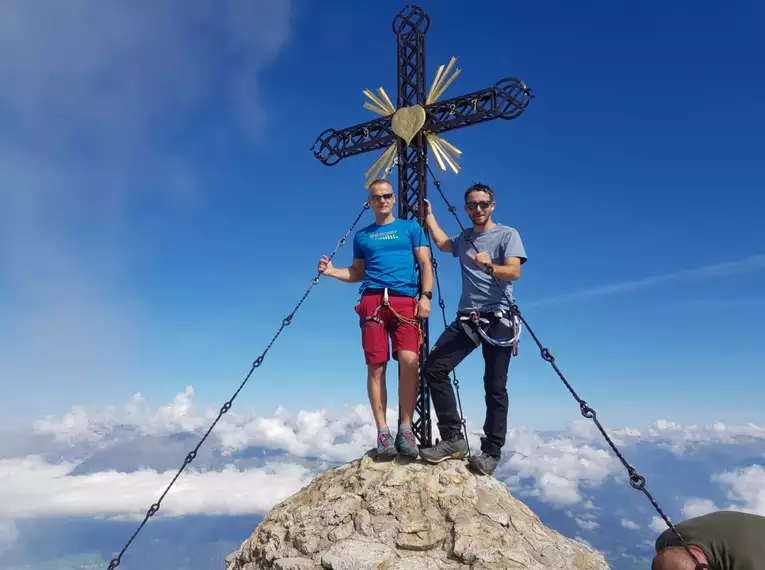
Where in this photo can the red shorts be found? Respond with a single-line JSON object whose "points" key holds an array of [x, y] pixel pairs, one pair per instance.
{"points": [[374, 335]]}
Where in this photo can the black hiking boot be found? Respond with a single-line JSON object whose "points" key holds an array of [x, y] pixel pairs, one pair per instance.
{"points": [[454, 448], [483, 463]]}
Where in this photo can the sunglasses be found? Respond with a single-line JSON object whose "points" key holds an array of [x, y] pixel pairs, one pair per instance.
{"points": [[483, 204], [381, 197]]}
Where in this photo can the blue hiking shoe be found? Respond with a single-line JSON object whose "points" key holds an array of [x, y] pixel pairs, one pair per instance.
{"points": [[406, 444], [385, 446]]}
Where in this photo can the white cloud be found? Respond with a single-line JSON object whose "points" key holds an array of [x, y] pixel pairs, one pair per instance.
{"points": [[745, 488], [114, 69], [697, 507], [744, 266], [632, 525], [78, 425], [318, 433], [657, 524], [332, 436], [31, 488], [586, 524], [559, 467], [558, 490]]}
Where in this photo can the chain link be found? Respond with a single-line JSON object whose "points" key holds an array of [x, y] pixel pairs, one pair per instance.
{"points": [[637, 481], [227, 406], [442, 304]]}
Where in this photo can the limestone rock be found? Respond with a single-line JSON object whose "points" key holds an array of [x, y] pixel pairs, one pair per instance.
{"points": [[407, 516]]}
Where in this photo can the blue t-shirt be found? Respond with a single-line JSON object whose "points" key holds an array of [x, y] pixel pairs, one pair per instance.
{"points": [[388, 252], [479, 291]]}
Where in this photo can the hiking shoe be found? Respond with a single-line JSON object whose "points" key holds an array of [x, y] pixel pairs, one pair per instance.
{"points": [[483, 463], [406, 444], [454, 448], [385, 447]]}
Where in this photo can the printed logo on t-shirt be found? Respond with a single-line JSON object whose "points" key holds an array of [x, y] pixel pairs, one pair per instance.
{"points": [[390, 234]]}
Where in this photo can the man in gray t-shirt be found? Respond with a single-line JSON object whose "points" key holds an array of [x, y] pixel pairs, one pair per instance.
{"points": [[483, 320], [479, 291]]}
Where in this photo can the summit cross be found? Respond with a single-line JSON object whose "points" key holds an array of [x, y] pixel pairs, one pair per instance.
{"points": [[409, 129]]}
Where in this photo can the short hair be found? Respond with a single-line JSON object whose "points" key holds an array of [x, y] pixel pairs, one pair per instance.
{"points": [[479, 187], [380, 181], [674, 557]]}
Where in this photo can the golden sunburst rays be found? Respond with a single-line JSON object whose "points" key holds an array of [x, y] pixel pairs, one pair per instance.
{"points": [[382, 106], [407, 122], [440, 81], [444, 151]]}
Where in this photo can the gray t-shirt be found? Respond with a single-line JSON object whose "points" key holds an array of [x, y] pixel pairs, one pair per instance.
{"points": [[479, 291]]}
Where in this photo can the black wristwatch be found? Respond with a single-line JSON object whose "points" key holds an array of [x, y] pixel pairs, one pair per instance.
{"points": [[428, 294]]}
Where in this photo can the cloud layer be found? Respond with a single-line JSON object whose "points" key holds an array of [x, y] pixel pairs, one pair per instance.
{"points": [[283, 451], [34, 488], [113, 463]]}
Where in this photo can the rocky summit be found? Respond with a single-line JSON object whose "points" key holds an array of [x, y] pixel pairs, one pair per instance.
{"points": [[398, 515]]}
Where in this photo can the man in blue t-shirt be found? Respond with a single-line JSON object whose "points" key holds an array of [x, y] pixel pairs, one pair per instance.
{"points": [[499, 247], [385, 259]]}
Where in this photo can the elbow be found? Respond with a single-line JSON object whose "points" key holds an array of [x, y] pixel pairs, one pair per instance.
{"points": [[508, 273]]}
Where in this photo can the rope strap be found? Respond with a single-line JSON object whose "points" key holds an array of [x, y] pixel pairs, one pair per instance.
{"points": [[386, 303]]}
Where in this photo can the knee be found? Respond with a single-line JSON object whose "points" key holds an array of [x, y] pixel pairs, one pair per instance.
{"points": [[376, 371], [408, 358], [498, 396], [429, 368]]}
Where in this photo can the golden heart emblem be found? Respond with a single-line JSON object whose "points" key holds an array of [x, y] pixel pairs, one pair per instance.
{"points": [[407, 122]]}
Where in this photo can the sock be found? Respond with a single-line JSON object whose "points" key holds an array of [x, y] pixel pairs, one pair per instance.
{"points": [[381, 431], [405, 427]]}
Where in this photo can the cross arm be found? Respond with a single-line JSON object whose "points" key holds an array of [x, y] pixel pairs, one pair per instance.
{"points": [[335, 145], [507, 99]]}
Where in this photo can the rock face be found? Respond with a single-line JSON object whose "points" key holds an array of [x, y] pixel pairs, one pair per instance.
{"points": [[366, 515]]}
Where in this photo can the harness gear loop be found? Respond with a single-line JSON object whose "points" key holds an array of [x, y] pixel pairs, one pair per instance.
{"points": [[473, 323], [386, 303]]}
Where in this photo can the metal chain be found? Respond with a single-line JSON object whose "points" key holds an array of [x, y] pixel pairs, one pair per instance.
{"points": [[227, 406], [637, 481], [442, 304]]}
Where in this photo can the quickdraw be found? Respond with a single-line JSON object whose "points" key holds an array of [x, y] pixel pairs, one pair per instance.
{"points": [[474, 322]]}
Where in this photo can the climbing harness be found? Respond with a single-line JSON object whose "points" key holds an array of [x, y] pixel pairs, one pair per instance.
{"points": [[385, 304], [637, 481], [227, 406], [476, 326]]}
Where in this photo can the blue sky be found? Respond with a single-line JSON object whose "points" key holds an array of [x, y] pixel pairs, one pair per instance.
{"points": [[161, 211]]}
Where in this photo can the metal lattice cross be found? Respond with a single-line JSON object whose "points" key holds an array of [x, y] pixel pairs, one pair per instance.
{"points": [[407, 130]]}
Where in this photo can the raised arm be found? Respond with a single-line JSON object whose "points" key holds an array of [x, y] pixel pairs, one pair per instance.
{"points": [[514, 256], [509, 271], [352, 274], [439, 236]]}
